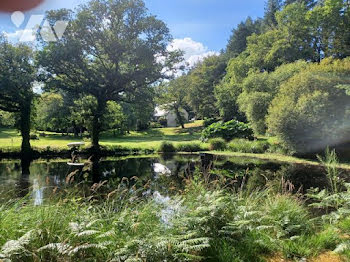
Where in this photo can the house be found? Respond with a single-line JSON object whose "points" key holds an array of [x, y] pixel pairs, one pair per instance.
{"points": [[170, 116]]}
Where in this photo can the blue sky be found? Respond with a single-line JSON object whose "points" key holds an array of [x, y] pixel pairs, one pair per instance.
{"points": [[201, 24]]}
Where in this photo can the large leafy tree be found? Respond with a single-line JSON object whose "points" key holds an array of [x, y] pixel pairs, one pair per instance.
{"points": [[111, 49], [311, 110], [172, 96], [17, 75], [203, 79], [330, 21], [259, 89]]}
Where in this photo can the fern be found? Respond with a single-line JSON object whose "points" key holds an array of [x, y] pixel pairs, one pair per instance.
{"points": [[17, 248]]}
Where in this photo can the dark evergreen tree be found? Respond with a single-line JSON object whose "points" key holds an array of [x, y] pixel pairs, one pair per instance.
{"points": [[271, 7], [238, 40]]}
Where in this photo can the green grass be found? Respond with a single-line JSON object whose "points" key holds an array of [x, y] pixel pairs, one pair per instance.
{"points": [[275, 157], [10, 139], [201, 223]]}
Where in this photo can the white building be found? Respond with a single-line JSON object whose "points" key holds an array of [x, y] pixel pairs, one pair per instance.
{"points": [[170, 116]]}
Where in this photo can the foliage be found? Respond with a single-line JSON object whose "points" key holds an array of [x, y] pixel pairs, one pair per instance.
{"points": [[246, 146], [204, 221], [227, 130], [217, 144], [52, 113], [7, 119], [238, 40], [209, 121], [259, 89], [202, 80], [190, 147], [117, 61], [172, 97], [17, 76], [167, 147], [330, 162], [310, 111]]}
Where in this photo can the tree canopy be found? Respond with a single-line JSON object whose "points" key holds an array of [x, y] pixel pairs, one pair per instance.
{"points": [[17, 76], [110, 49]]}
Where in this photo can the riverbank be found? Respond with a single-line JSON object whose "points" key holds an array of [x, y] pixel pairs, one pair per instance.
{"points": [[187, 140]]}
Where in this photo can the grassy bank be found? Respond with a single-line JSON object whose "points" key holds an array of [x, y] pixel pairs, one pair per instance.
{"points": [[136, 142], [152, 141], [204, 223]]}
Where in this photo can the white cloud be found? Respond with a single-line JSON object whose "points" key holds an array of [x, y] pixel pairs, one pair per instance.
{"points": [[194, 52], [20, 35], [13, 36]]}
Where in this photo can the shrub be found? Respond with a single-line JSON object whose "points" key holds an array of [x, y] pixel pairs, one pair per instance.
{"points": [[189, 147], [217, 144], [156, 125], [167, 147], [311, 110], [228, 131], [246, 146]]}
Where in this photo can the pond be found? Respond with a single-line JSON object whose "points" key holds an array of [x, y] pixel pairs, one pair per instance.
{"points": [[164, 174]]}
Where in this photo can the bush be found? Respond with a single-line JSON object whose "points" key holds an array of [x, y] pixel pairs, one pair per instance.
{"points": [[156, 125], [167, 147], [311, 110], [246, 146], [228, 131], [217, 144], [190, 147]]}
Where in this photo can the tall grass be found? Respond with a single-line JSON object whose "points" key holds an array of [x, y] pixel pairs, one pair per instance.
{"points": [[125, 222], [246, 146]]}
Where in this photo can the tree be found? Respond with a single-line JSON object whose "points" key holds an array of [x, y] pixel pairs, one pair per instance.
{"points": [[17, 75], [226, 96], [52, 113], [238, 40], [139, 114], [311, 110], [271, 8], [259, 89], [308, 3], [84, 110], [330, 21], [172, 96], [202, 81], [111, 49]]}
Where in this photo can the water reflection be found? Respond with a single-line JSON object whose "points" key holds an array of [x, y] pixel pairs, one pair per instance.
{"points": [[164, 175], [37, 193]]}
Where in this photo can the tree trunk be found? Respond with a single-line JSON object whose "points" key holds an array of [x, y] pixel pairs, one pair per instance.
{"points": [[97, 125], [179, 117], [26, 149], [95, 135]]}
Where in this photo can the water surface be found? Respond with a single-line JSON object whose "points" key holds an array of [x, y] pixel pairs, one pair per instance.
{"points": [[164, 174]]}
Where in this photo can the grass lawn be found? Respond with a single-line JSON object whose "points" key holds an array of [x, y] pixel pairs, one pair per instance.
{"points": [[10, 139]]}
